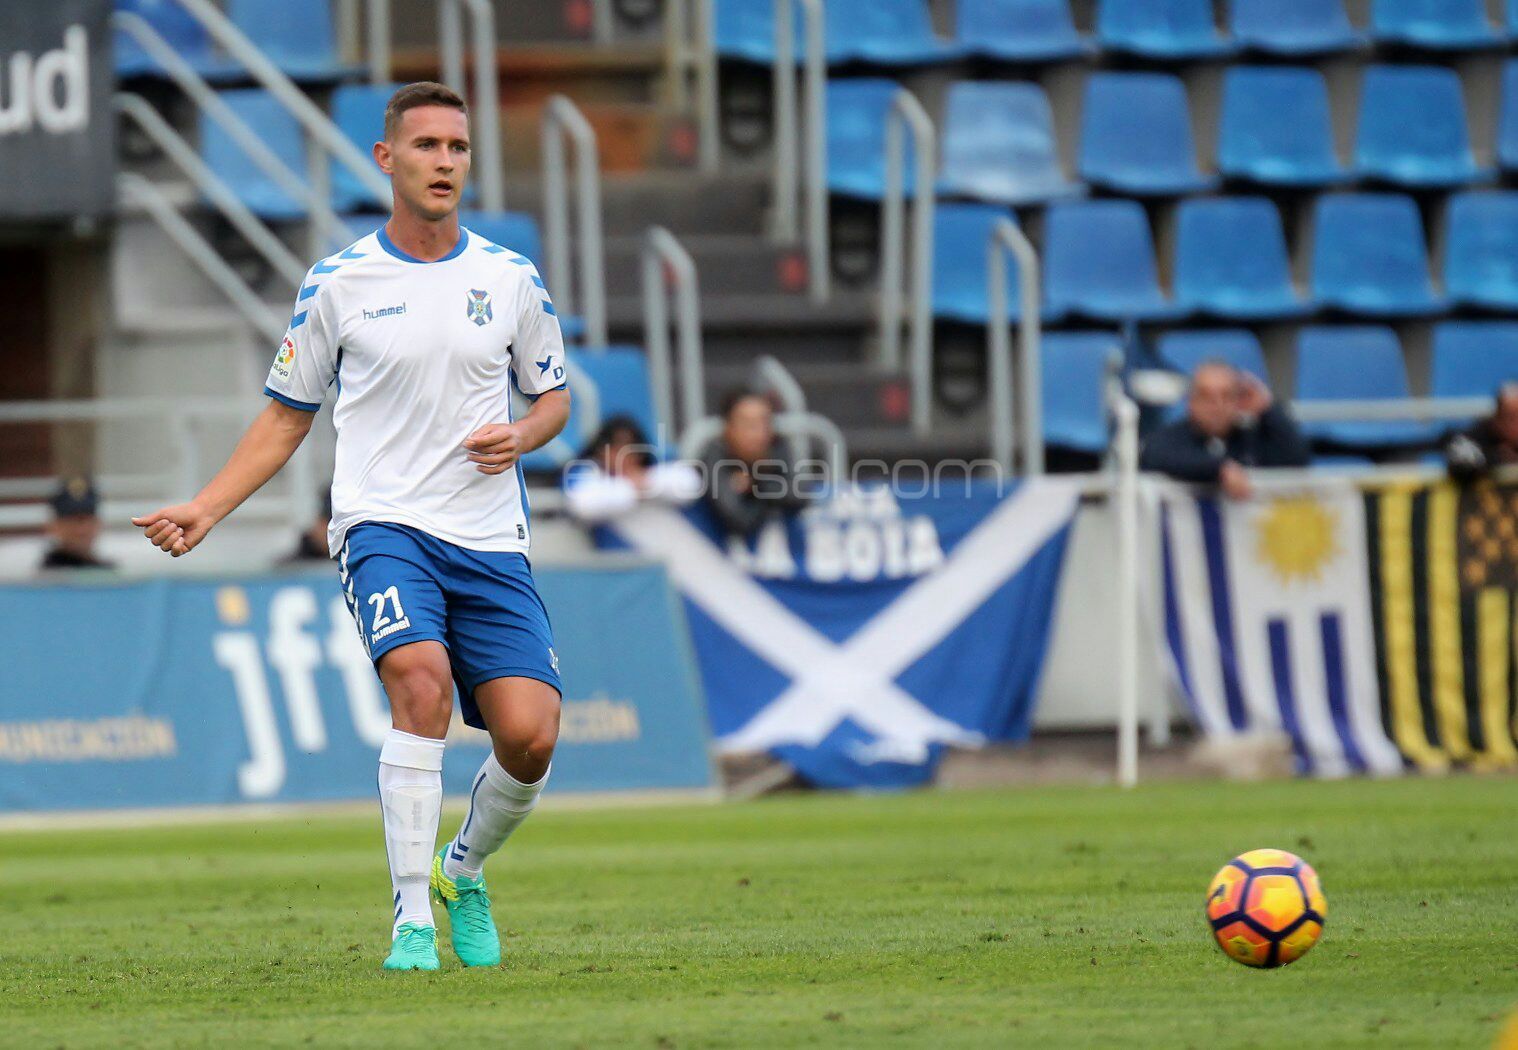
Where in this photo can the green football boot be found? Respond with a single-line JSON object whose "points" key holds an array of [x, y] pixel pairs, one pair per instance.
{"points": [[415, 948], [470, 926]]}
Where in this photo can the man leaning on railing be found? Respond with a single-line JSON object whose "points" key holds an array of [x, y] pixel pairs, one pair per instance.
{"points": [[1232, 423]]}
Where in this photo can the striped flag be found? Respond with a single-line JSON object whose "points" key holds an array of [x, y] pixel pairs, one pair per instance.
{"points": [[1268, 626], [1443, 566]]}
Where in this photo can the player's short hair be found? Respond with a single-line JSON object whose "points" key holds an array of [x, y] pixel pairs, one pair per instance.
{"points": [[422, 93]]}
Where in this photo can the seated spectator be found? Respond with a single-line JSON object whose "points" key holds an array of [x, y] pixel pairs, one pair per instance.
{"points": [[1491, 443], [1232, 423], [312, 545], [75, 527], [748, 478], [618, 471]]}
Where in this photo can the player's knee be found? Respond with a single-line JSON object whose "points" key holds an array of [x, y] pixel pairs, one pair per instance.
{"points": [[421, 693]]}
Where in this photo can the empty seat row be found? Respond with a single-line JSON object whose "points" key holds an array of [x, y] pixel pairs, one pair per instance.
{"points": [[1368, 257], [900, 32], [296, 35]]}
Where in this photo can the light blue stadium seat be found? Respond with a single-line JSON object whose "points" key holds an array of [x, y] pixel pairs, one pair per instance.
{"points": [[1292, 27], [1099, 262], [1019, 30], [1473, 358], [619, 375], [1257, 142], [1507, 120], [1184, 350], [1230, 259], [1413, 128], [1369, 256], [272, 123], [856, 118], [998, 144], [961, 235], [880, 32], [1136, 135], [1072, 382], [1356, 363], [1452, 25], [180, 30], [1163, 29], [1481, 249], [296, 35]]}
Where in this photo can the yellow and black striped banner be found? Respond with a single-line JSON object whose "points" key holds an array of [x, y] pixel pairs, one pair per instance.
{"points": [[1443, 562]]}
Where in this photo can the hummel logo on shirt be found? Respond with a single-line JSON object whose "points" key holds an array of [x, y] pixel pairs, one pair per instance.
{"points": [[387, 311]]}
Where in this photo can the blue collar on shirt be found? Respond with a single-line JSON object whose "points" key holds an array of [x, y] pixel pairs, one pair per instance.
{"points": [[389, 246]]}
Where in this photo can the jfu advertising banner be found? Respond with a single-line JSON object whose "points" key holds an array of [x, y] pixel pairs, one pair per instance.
{"points": [[172, 692]]}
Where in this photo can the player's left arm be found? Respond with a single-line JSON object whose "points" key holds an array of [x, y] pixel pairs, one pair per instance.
{"points": [[537, 363]]}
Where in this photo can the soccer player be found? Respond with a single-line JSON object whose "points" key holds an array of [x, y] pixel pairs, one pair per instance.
{"points": [[420, 328]]}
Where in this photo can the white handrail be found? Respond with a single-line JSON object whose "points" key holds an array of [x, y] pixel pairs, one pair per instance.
{"points": [[690, 54], [1125, 414], [808, 143], [701, 432], [662, 251], [1411, 409], [774, 377], [906, 111], [377, 38], [562, 118], [1007, 236], [486, 98]]}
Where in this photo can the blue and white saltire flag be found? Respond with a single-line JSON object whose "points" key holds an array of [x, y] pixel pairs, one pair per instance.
{"points": [[874, 629], [1267, 621]]}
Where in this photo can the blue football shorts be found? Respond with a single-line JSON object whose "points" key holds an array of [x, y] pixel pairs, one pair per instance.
{"points": [[404, 586]]}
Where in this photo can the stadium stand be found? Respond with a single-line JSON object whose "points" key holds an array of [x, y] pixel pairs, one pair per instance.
{"points": [[1100, 263], [961, 233], [1413, 128], [1255, 144], [1507, 121], [516, 230], [1296, 28], [1074, 370], [1019, 30], [179, 30], [1230, 260], [879, 32], [1356, 363], [1184, 350], [856, 113], [1136, 135], [998, 145], [1481, 249], [1160, 29], [277, 129], [1445, 25], [1472, 358], [1369, 256], [297, 35], [359, 112]]}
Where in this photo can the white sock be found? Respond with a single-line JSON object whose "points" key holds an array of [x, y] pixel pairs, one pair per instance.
{"points": [[411, 800], [498, 804]]}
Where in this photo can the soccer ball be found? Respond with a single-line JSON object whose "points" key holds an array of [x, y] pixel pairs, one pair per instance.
{"points": [[1266, 908]]}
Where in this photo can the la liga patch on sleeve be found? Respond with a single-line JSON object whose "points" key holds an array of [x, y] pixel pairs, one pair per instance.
{"points": [[284, 360]]}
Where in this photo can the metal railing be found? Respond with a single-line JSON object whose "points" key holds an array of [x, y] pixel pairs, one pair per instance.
{"points": [[1405, 409], [805, 425], [690, 56], [908, 113], [1124, 494], [562, 119], [374, 49], [486, 123], [772, 377], [662, 252], [1007, 238], [802, 137]]}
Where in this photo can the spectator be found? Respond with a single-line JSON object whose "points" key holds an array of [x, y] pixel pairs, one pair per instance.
{"points": [[75, 527], [748, 479], [618, 470], [312, 545], [1231, 424], [1491, 443]]}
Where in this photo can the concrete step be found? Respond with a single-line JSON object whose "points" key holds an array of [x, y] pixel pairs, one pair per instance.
{"points": [[627, 72], [540, 22], [630, 137], [724, 262], [685, 202]]}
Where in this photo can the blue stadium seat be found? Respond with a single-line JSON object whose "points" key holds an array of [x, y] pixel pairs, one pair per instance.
{"points": [[880, 32], [1230, 259], [620, 377], [1481, 249], [1292, 27], [856, 118], [1099, 262], [1256, 143], [1507, 120], [1473, 358], [1162, 29], [1019, 30], [1136, 135], [264, 114], [1451, 25], [1413, 128], [180, 30], [358, 110], [961, 235], [1073, 376], [1356, 363], [1184, 350], [998, 144], [516, 230], [296, 35], [1369, 255]]}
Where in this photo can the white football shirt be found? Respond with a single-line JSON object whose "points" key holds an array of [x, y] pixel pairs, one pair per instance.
{"points": [[421, 355]]}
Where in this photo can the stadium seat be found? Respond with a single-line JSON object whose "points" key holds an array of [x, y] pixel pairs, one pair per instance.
{"points": [[1507, 120], [1449, 25], [296, 35], [1481, 249], [961, 235], [1019, 30], [1099, 262], [1184, 350], [1413, 127], [1230, 259], [1356, 363], [1369, 257], [1161, 29], [1292, 27], [279, 130], [1473, 358], [998, 144], [856, 119], [1255, 143], [879, 32], [1073, 376], [1136, 135], [358, 110], [619, 375], [180, 30]]}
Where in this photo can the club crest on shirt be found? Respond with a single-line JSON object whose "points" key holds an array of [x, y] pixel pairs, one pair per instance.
{"points": [[479, 307], [285, 358]]}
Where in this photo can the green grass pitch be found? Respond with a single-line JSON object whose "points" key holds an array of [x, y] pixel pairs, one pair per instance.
{"points": [[1046, 918]]}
